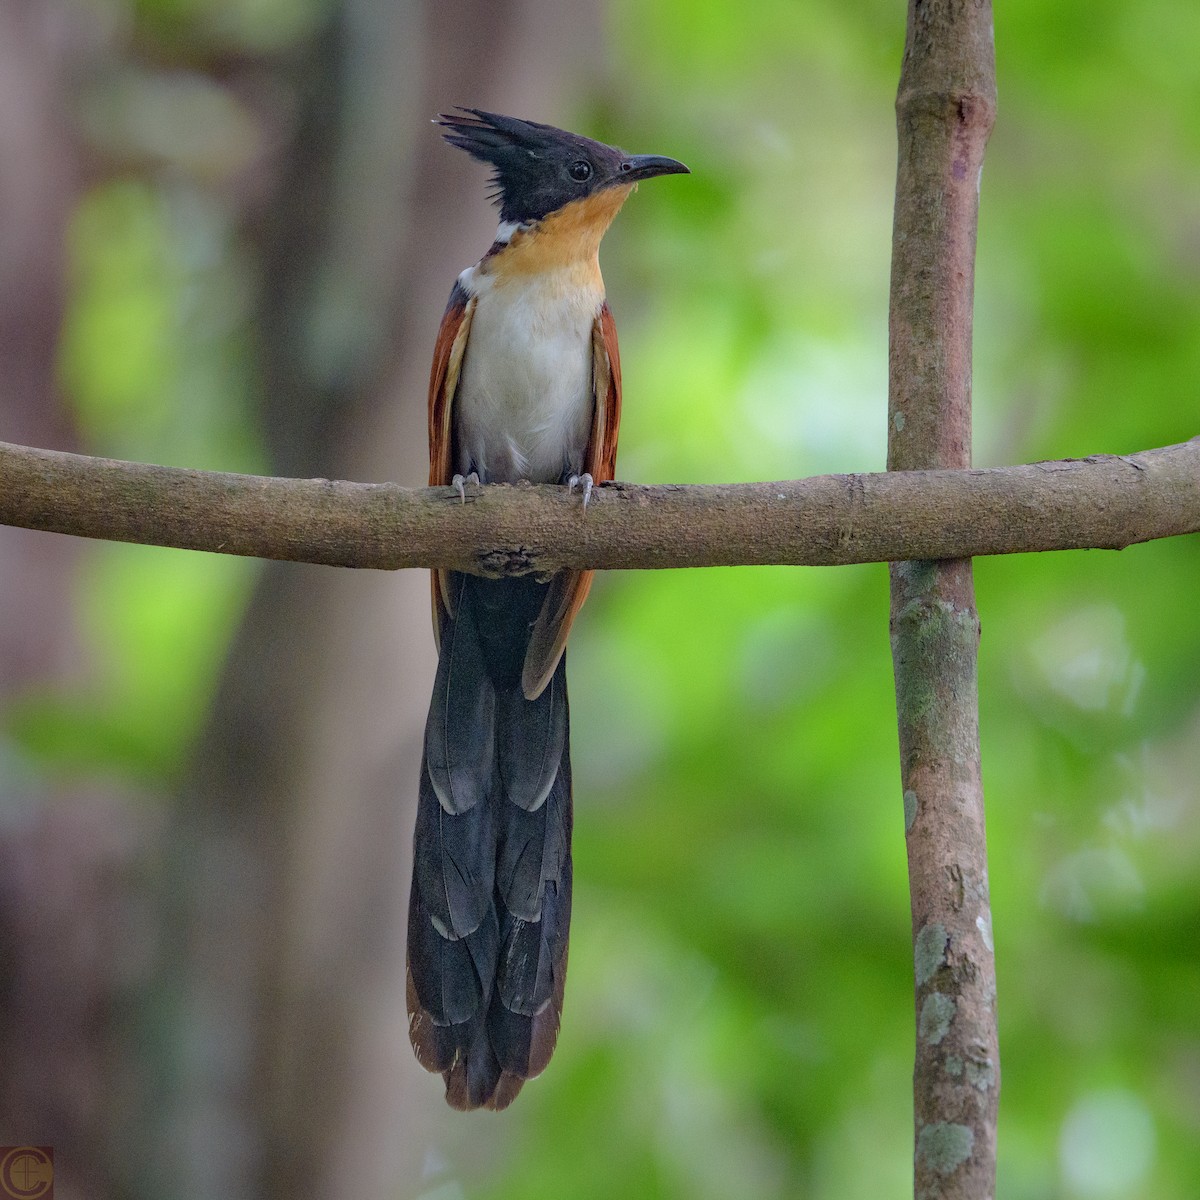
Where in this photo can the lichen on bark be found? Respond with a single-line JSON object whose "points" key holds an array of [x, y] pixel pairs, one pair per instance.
{"points": [[944, 107]]}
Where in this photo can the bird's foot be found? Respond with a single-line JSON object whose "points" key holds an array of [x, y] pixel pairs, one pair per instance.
{"points": [[459, 482], [583, 481]]}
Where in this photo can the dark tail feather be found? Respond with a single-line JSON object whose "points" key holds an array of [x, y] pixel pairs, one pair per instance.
{"points": [[491, 896]]}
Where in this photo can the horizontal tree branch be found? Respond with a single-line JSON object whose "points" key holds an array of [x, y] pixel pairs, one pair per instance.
{"points": [[1102, 502]]}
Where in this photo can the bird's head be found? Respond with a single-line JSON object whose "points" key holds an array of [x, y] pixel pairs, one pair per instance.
{"points": [[538, 170]]}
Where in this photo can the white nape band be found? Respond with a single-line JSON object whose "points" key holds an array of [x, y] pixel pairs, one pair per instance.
{"points": [[506, 229]]}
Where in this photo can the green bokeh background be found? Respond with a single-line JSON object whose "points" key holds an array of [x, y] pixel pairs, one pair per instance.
{"points": [[740, 1013]]}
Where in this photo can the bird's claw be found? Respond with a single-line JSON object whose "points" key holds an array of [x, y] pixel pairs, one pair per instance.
{"points": [[584, 481], [459, 482]]}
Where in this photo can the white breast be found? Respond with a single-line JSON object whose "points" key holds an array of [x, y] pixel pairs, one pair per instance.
{"points": [[523, 409]]}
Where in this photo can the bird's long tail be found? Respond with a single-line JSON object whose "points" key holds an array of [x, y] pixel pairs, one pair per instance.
{"points": [[491, 891]]}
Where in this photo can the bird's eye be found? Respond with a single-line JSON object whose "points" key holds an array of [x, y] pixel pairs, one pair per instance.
{"points": [[580, 171]]}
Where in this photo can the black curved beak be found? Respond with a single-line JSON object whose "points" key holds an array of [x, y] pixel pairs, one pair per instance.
{"points": [[647, 166]]}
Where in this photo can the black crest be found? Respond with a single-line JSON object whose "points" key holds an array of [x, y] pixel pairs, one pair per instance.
{"points": [[537, 169]]}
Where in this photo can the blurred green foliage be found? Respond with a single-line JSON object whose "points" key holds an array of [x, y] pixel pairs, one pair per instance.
{"points": [[739, 1021], [155, 358], [243, 25]]}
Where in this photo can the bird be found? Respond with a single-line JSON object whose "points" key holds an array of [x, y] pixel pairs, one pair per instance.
{"points": [[525, 385]]}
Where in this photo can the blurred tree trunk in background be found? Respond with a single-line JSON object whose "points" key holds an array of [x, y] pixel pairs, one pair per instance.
{"points": [[290, 852], [39, 176], [64, 849]]}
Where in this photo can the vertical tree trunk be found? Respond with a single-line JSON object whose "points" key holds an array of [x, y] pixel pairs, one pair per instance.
{"points": [[945, 108]]}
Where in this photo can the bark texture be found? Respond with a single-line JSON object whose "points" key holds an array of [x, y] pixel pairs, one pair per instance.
{"points": [[945, 109], [1105, 501]]}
